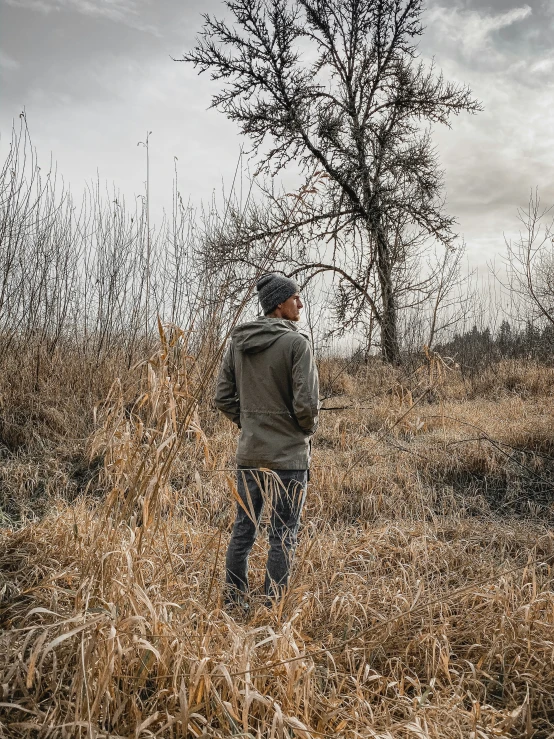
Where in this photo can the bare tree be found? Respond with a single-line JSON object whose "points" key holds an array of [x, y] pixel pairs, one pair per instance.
{"points": [[336, 85], [530, 262]]}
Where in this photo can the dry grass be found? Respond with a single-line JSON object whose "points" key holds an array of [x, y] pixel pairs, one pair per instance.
{"points": [[422, 601]]}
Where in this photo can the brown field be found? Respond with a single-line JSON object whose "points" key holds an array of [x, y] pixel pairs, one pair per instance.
{"points": [[422, 600]]}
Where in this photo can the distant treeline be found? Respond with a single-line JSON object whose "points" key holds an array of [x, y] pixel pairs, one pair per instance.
{"points": [[475, 348]]}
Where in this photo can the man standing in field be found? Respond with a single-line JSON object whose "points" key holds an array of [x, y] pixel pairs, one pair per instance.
{"points": [[268, 385]]}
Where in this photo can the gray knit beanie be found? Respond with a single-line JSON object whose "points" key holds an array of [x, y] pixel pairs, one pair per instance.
{"points": [[274, 289]]}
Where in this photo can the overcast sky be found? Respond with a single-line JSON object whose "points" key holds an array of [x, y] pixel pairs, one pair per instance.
{"points": [[95, 75]]}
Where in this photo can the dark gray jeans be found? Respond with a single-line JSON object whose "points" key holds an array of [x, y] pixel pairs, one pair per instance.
{"points": [[285, 491]]}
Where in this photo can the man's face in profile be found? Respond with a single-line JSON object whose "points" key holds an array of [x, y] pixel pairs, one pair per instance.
{"points": [[290, 309]]}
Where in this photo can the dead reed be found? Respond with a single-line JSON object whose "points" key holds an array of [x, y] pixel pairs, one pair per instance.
{"points": [[422, 600]]}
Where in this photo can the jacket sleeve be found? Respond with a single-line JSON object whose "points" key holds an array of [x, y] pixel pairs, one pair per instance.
{"points": [[226, 395], [305, 387]]}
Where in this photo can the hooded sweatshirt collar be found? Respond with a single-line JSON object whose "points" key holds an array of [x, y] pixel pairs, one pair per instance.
{"points": [[255, 336]]}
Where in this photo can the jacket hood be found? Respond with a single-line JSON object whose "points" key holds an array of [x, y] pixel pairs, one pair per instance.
{"points": [[260, 334]]}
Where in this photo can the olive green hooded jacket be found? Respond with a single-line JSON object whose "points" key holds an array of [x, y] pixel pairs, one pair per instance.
{"points": [[268, 385]]}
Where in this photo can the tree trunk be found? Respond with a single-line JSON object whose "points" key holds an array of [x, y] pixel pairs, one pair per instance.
{"points": [[388, 323], [390, 349]]}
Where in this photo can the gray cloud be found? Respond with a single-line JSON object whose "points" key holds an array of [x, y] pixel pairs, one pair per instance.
{"points": [[128, 12], [492, 160], [483, 38], [95, 75], [7, 62]]}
